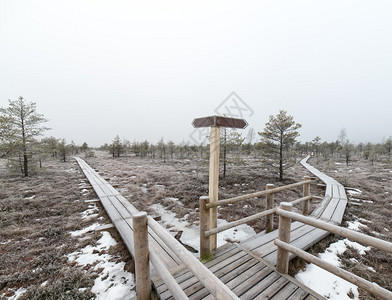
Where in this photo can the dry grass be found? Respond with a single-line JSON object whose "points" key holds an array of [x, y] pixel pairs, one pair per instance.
{"points": [[37, 214], [140, 180], [373, 208], [34, 233]]}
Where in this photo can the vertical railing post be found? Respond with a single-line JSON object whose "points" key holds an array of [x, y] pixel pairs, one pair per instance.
{"points": [[205, 244], [269, 225], [282, 260], [214, 179], [305, 205], [142, 264]]}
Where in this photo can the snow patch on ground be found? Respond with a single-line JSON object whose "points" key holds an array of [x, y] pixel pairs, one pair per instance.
{"points": [[191, 233], [355, 225], [113, 281], [160, 186], [17, 294], [84, 230], [354, 192], [90, 212], [325, 283]]}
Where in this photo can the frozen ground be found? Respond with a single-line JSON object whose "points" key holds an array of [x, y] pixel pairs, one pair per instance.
{"points": [[44, 210], [191, 233], [113, 282], [327, 284]]}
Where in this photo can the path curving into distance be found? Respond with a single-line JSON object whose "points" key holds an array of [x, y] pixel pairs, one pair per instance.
{"points": [[246, 268]]}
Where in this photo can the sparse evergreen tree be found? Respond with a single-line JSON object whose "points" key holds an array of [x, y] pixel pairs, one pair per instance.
{"points": [[136, 148], [84, 147], [144, 148], [64, 150], [366, 150], [50, 145], [388, 147], [116, 147], [162, 147], [347, 150], [126, 146], [153, 150], [171, 147], [277, 139], [21, 124]]}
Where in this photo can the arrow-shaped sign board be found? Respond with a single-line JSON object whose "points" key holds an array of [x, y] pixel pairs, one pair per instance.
{"points": [[219, 122]]}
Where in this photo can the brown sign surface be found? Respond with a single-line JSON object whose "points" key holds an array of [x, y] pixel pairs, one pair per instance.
{"points": [[220, 122]]}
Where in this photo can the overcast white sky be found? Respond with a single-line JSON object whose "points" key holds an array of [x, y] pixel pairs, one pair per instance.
{"points": [[146, 69]]}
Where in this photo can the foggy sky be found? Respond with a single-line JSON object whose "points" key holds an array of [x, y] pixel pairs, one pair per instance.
{"points": [[145, 69]]}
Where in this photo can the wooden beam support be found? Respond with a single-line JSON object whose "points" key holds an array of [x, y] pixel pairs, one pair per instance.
{"points": [[205, 243], [214, 179], [282, 260], [306, 192], [269, 226], [142, 263]]}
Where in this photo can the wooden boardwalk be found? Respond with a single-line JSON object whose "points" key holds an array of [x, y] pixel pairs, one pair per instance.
{"points": [[246, 268]]}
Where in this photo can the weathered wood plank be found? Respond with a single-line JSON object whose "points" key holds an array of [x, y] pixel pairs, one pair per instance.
{"points": [[261, 286], [286, 291], [273, 289], [243, 272], [330, 209], [299, 294]]}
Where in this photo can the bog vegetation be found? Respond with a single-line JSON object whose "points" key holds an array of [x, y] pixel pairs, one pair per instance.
{"points": [[167, 170], [22, 144]]}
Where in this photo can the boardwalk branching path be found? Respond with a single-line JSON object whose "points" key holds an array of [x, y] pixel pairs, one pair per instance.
{"points": [[247, 268]]}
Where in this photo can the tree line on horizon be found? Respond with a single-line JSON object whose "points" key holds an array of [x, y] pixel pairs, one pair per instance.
{"points": [[21, 127]]}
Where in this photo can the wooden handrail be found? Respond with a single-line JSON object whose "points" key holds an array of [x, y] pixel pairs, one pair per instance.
{"points": [[216, 287], [344, 232], [360, 282], [238, 222], [283, 244], [142, 265], [250, 218], [167, 277], [254, 195]]}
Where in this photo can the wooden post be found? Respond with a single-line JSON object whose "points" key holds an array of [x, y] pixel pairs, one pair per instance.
{"points": [[205, 243], [142, 264], [282, 260], [269, 225], [214, 179], [305, 205]]}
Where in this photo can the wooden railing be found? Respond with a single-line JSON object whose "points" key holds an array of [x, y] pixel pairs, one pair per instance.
{"points": [[284, 247], [206, 232], [144, 255]]}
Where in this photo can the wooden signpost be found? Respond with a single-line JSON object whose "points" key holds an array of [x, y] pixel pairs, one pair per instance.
{"points": [[215, 122]]}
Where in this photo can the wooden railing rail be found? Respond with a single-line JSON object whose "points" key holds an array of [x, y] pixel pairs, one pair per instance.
{"points": [[207, 231], [257, 194], [143, 255], [250, 218], [344, 232], [216, 287], [284, 247], [143, 284]]}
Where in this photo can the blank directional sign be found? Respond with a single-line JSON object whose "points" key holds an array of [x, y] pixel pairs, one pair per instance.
{"points": [[219, 122]]}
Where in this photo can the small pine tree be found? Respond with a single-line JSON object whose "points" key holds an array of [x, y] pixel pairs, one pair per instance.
{"points": [[21, 124], [278, 137]]}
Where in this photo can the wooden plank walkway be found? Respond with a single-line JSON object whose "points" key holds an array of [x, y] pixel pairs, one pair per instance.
{"points": [[246, 268], [120, 211]]}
